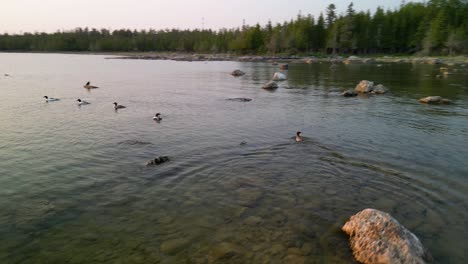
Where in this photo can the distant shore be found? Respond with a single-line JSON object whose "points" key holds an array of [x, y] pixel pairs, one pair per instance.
{"points": [[346, 59], [446, 60]]}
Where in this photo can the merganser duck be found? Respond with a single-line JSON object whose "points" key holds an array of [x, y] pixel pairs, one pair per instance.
{"points": [[298, 136], [157, 117], [50, 99], [88, 86], [81, 102], [117, 106]]}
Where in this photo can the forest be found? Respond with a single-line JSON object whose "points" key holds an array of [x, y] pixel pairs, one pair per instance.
{"points": [[435, 27]]}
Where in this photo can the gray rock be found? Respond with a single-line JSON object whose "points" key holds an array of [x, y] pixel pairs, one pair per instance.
{"points": [[377, 237], [349, 93], [434, 100], [364, 87], [270, 85], [237, 73], [379, 89]]}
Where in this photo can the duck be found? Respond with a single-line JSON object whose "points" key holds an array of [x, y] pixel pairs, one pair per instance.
{"points": [[81, 102], [298, 136], [50, 99], [157, 117], [117, 106], [89, 86]]}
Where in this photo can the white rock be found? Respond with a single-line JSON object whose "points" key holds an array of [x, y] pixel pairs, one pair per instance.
{"points": [[278, 76]]}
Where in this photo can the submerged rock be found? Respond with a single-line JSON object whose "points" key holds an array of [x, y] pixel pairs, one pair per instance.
{"points": [[434, 100], [174, 245], [349, 93], [240, 99], [278, 76], [237, 73], [157, 161], [377, 237], [270, 85], [225, 251]]}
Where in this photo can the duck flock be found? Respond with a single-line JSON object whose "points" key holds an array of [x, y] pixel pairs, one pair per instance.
{"points": [[157, 116]]}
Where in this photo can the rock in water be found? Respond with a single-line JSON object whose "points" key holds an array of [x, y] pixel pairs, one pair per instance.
{"points": [[434, 100], [377, 237], [349, 93], [237, 73], [364, 87], [278, 76], [240, 99], [157, 161], [379, 89], [270, 85]]}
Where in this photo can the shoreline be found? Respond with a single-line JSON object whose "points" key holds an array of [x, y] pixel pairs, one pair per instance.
{"points": [[462, 59], [194, 57]]}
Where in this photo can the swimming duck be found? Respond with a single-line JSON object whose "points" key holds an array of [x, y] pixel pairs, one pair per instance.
{"points": [[298, 136], [117, 106], [89, 86], [50, 99], [157, 117], [81, 102]]}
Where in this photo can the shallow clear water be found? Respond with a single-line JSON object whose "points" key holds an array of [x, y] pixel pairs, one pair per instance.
{"points": [[74, 187]]}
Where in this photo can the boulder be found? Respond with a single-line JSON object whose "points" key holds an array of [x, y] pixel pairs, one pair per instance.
{"points": [[377, 237], [349, 93], [434, 100], [379, 89], [270, 85], [237, 73], [279, 76], [157, 161], [364, 87]]}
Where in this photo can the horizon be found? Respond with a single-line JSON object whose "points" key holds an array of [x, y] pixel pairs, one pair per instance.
{"points": [[203, 15]]}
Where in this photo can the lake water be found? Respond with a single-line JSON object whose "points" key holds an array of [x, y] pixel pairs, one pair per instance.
{"points": [[74, 187]]}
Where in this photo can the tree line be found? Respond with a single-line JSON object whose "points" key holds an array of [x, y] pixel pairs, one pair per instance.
{"points": [[435, 27]]}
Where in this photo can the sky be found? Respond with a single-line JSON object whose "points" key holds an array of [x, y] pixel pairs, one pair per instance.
{"points": [[18, 16]]}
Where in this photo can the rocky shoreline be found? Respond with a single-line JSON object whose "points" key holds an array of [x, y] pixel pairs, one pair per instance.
{"points": [[293, 59]]}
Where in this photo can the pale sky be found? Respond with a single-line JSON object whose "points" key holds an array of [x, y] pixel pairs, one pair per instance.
{"points": [[18, 16]]}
